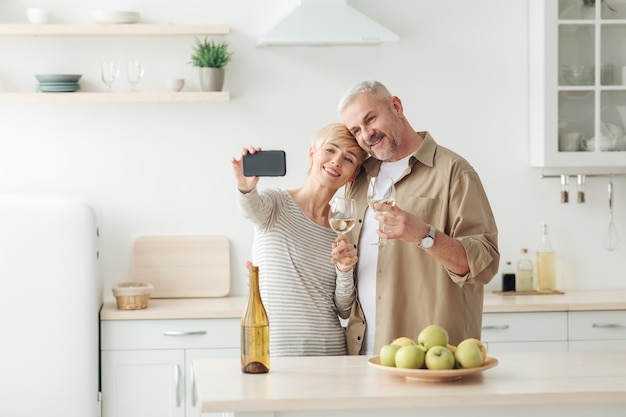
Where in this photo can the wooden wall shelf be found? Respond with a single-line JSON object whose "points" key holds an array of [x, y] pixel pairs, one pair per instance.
{"points": [[138, 29]]}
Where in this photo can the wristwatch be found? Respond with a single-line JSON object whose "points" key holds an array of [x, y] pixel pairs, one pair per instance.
{"points": [[429, 240]]}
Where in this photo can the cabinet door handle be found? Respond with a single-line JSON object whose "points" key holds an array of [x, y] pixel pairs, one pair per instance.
{"points": [[192, 333], [194, 394], [177, 378], [496, 327], [608, 326]]}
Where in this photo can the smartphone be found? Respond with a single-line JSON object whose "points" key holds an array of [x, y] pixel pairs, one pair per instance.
{"points": [[264, 164]]}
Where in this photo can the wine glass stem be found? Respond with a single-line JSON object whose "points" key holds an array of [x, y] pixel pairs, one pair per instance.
{"points": [[381, 240]]}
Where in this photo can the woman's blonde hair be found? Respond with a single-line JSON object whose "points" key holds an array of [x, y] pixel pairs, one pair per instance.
{"points": [[337, 134]]}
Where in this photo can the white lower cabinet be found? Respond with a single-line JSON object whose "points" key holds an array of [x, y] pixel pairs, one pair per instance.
{"points": [[597, 330], [143, 383], [146, 365], [525, 332], [554, 331]]}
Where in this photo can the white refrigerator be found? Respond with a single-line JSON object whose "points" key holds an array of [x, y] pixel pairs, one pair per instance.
{"points": [[50, 297]]}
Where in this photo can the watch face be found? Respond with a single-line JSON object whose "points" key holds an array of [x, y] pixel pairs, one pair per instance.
{"points": [[427, 242]]}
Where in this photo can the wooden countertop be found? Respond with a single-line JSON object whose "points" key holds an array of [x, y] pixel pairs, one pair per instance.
{"points": [[349, 382], [232, 307], [574, 300], [178, 308]]}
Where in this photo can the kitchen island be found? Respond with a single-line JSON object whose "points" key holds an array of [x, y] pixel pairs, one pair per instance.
{"points": [[575, 384]]}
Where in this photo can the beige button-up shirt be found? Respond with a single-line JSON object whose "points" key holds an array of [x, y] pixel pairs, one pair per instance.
{"points": [[413, 290]]}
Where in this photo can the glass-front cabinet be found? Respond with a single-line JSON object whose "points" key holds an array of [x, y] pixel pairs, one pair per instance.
{"points": [[578, 84]]}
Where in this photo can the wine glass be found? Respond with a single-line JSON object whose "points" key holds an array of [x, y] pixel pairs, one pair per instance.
{"points": [[110, 72], [134, 74], [381, 190], [342, 215]]}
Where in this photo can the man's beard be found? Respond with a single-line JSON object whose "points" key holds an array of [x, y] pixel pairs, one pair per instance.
{"points": [[389, 149]]}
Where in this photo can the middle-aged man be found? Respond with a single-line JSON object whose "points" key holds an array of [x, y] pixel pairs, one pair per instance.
{"points": [[445, 238]]}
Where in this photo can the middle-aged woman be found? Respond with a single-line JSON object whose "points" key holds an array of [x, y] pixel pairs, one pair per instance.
{"points": [[305, 269]]}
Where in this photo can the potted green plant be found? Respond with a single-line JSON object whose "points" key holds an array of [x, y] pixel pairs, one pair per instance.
{"points": [[211, 58]]}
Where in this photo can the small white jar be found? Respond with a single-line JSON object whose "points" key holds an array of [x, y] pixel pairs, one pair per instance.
{"points": [[38, 15]]}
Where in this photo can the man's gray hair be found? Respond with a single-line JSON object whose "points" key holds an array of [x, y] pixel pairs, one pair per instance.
{"points": [[372, 87]]}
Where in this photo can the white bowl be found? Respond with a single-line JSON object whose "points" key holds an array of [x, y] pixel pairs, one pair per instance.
{"points": [[175, 84], [578, 74], [38, 15]]}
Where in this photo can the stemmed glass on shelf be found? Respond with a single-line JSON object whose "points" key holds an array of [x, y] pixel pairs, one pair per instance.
{"points": [[342, 215], [381, 190], [135, 72], [110, 72]]}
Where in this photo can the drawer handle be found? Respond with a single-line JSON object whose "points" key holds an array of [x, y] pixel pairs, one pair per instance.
{"points": [[193, 333], [496, 327], [608, 326]]}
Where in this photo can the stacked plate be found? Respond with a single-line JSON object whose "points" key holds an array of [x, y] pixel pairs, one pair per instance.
{"points": [[58, 83], [104, 16]]}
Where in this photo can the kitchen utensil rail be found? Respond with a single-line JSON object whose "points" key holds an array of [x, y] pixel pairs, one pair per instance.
{"points": [[544, 176]]}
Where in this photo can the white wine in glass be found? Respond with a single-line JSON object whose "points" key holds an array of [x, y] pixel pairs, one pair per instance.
{"points": [[381, 190], [342, 215]]}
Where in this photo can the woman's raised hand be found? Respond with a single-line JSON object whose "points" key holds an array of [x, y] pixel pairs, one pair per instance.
{"points": [[244, 184]]}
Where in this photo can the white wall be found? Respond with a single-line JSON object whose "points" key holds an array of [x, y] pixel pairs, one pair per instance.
{"points": [[460, 69]]}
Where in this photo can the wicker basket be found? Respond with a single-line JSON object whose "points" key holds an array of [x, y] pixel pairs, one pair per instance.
{"points": [[132, 295]]}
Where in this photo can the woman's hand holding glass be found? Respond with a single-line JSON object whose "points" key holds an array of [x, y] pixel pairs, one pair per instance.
{"points": [[342, 218], [344, 254]]}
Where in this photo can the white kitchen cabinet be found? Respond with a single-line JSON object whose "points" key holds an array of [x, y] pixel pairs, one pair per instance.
{"points": [[143, 383], [525, 332], [597, 330], [140, 29], [146, 365], [577, 85]]}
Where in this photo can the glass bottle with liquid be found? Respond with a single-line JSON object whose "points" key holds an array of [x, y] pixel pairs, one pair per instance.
{"points": [[545, 263], [508, 278], [255, 330], [524, 273]]}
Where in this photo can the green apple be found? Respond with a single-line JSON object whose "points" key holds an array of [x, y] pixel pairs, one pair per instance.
{"points": [[403, 341], [478, 343], [468, 355], [410, 357], [433, 335], [388, 354], [439, 357]]}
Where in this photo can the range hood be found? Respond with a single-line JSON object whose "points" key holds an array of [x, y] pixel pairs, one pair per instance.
{"points": [[326, 22]]}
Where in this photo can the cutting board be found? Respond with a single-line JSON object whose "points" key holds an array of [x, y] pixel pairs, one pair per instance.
{"points": [[183, 266]]}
